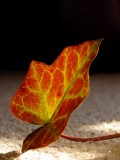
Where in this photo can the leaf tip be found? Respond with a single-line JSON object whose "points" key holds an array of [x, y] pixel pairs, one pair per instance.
{"points": [[100, 40]]}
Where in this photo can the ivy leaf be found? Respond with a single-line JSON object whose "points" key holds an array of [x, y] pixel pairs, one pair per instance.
{"points": [[50, 93]]}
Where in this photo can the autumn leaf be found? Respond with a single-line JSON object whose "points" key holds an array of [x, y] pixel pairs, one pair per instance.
{"points": [[50, 93]]}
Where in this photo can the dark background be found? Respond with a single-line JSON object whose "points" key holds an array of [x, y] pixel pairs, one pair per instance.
{"points": [[41, 30]]}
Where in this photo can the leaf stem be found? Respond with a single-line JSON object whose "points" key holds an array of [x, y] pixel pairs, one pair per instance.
{"points": [[117, 135]]}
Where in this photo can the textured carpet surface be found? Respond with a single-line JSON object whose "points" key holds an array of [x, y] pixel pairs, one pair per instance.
{"points": [[98, 115]]}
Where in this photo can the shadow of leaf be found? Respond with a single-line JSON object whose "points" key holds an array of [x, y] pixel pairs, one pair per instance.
{"points": [[9, 155]]}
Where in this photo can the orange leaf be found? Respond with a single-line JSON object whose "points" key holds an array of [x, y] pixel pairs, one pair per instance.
{"points": [[50, 93]]}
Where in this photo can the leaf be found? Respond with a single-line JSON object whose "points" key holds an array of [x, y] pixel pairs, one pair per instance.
{"points": [[50, 93]]}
